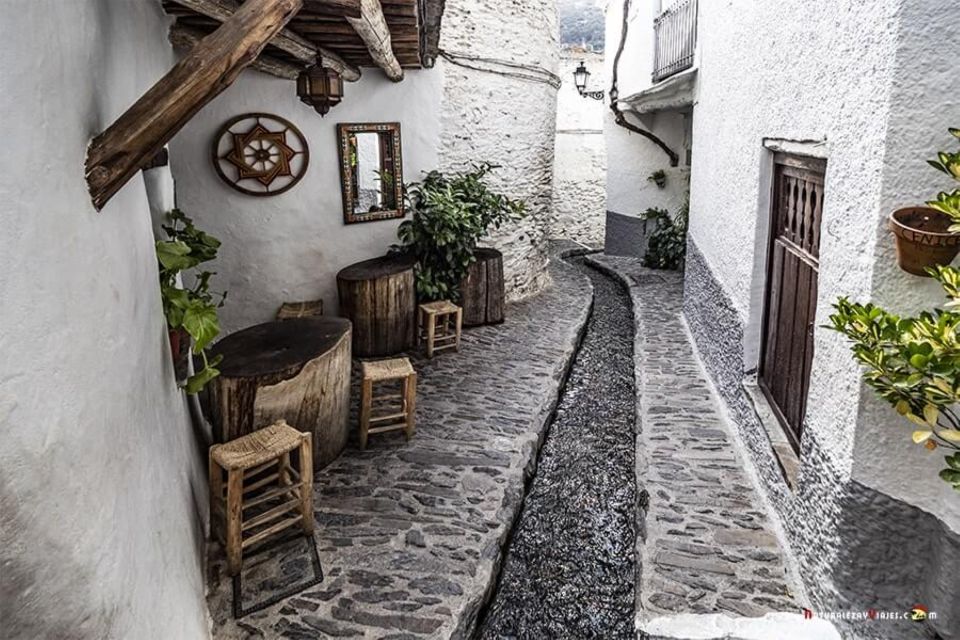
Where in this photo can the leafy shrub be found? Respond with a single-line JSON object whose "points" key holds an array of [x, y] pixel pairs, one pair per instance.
{"points": [[451, 213], [192, 308], [913, 364], [948, 202], [667, 246]]}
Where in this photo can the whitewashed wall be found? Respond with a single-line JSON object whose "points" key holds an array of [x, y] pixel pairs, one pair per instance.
{"points": [[580, 157], [632, 158], [504, 119], [290, 247], [102, 487]]}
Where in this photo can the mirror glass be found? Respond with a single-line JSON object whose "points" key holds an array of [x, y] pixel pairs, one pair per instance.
{"points": [[370, 167]]}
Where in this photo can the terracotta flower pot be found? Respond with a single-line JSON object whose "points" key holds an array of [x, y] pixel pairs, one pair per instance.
{"points": [[922, 239]]}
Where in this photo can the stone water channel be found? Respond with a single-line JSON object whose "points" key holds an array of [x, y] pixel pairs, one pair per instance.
{"points": [[570, 568]]}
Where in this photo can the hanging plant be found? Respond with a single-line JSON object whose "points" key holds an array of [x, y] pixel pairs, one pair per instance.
{"points": [[658, 177], [451, 213], [190, 309], [913, 363]]}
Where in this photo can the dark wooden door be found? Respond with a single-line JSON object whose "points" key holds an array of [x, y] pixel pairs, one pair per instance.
{"points": [[793, 265]]}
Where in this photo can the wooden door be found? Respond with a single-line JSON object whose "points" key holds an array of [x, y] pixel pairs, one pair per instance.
{"points": [[793, 265]]}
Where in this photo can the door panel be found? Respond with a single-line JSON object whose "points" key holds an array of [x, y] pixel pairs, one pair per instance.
{"points": [[791, 292]]}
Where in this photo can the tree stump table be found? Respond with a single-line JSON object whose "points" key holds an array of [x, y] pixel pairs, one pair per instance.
{"points": [[296, 370], [379, 296], [481, 292]]}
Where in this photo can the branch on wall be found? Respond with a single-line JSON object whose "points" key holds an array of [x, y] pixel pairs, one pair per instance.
{"points": [[618, 115]]}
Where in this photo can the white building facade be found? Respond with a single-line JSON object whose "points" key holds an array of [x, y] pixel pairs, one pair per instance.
{"points": [[847, 100]]}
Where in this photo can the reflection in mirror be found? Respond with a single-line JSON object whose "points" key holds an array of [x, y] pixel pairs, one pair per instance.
{"points": [[371, 171]]}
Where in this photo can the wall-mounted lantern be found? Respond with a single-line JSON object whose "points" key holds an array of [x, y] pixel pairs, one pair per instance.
{"points": [[580, 78], [320, 88]]}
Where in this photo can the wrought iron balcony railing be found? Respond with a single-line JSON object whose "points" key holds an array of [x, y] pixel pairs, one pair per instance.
{"points": [[675, 39]]}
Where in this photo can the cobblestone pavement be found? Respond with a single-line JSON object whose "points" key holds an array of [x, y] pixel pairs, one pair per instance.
{"points": [[410, 534], [708, 545], [570, 569]]}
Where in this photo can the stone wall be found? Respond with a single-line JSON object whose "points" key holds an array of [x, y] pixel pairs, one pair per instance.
{"points": [[580, 163], [491, 113], [102, 480]]}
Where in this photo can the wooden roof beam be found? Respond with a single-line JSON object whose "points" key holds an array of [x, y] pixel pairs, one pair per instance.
{"points": [[135, 137], [372, 28], [186, 38], [342, 8], [287, 40]]}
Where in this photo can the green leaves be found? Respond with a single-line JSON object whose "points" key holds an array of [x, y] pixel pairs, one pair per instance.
{"points": [[948, 201], [667, 246], [451, 213], [913, 363], [192, 307]]}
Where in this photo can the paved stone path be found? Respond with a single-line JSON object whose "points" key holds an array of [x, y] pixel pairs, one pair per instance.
{"points": [[708, 545], [410, 534], [570, 569]]}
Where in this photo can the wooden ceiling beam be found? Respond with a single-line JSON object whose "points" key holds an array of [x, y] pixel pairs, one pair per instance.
{"points": [[287, 40], [185, 38], [372, 28], [135, 137], [342, 8]]}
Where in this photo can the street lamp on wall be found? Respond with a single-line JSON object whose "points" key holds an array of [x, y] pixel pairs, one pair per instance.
{"points": [[580, 78]]}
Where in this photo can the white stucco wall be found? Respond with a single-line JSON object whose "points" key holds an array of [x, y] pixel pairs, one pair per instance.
{"points": [[102, 488], [851, 109], [580, 156], [290, 247], [632, 158]]}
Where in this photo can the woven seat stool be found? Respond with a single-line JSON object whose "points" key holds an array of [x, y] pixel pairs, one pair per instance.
{"points": [[439, 325], [391, 411], [262, 494]]}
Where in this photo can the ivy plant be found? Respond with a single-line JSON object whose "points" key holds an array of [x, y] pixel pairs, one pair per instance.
{"points": [[948, 201], [913, 363], [451, 213], [667, 246], [193, 308]]}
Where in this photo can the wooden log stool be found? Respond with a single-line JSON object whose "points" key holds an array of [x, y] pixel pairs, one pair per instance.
{"points": [[260, 480], [379, 297], [392, 411], [440, 324]]}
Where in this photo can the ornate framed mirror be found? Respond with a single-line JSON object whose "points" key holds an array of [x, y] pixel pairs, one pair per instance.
{"points": [[371, 171]]}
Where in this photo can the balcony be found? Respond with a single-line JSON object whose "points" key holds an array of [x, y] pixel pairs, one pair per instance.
{"points": [[675, 39]]}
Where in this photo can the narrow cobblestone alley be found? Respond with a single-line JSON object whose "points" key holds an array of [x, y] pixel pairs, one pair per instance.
{"points": [[570, 568]]}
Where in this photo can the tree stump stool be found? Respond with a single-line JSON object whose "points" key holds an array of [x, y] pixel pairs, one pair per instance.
{"points": [[439, 325], [379, 297], [482, 290], [394, 411], [262, 483], [305, 309], [296, 370]]}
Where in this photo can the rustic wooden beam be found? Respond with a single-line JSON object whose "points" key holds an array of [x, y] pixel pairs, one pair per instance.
{"points": [[136, 136], [287, 40], [372, 28], [185, 39], [343, 8]]}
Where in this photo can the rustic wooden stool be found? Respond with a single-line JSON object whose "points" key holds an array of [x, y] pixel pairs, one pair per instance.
{"points": [[258, 471], [395, 412], [435, 328], [305, 309]]}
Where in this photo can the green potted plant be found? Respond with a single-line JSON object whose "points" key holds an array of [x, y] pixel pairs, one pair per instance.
{"points": [[658, 177], [451, 214], [191, 312], [930, 236], [913, 363]]}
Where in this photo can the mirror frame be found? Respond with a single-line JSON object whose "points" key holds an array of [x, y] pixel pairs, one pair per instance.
{"points": [[346, 175]]}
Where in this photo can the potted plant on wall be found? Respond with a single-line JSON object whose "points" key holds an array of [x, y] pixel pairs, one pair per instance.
{"points": [[191, 312], [914, 364], [451, 214], [930, 236]]}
